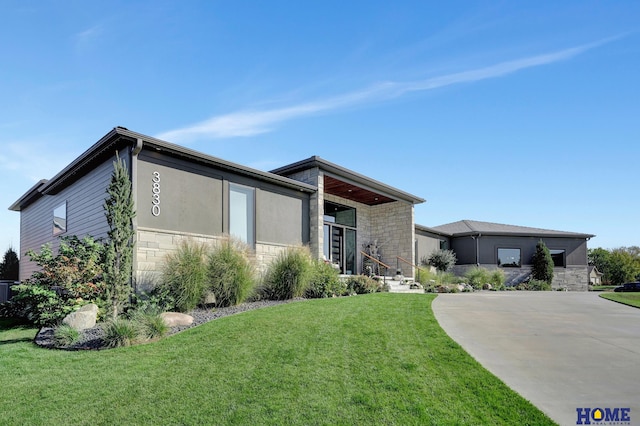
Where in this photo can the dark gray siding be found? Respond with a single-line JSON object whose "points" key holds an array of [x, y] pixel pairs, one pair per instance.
{"points": [[465, 249], [427, 243], [194, 199], [85, 214], [575, 249], [190, 200], [279, 218]]}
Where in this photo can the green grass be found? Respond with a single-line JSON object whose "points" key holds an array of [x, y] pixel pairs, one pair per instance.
{"points": [[374, 359], [631, 299]]}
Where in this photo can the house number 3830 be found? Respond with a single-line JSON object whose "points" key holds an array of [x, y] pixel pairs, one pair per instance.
{"points": [[155, 189]]}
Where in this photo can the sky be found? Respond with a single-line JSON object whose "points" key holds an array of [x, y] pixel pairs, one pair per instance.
{"points": [[517, 112]]}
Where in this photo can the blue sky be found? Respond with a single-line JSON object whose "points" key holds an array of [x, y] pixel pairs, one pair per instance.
{"points": [[516, 112]]}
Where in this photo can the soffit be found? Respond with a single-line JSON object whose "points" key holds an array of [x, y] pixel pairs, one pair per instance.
{"points": [[353, 192]]}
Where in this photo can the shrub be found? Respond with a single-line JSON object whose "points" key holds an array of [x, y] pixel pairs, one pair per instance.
{"points": [[288, 275], [38, 305], [185, 276], [65, 335], [477, 277], [157, 301], [497, 279], [325, 282], [534, 285], [76, 270], [149, 323], [442, 260], [542, 263], [361, 284], [121, 332], [231, 275]]}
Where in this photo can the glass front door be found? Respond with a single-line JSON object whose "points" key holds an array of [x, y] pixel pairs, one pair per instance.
{"points": [[340, 237]]}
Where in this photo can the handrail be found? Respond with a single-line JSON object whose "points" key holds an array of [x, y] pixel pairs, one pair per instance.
{"points": [[375, 260], [384, 277], [410, 264]]}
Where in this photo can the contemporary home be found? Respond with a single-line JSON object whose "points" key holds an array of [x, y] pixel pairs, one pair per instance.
{"points": [[350, 220], [511, 248]]}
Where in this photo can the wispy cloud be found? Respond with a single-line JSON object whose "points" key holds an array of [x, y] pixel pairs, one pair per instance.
{"points": [[253, 122], [85, 39]]}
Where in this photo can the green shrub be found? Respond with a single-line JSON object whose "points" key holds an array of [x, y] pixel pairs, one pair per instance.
{"points": [[542, 263], [288, 275], [150, 324], [231, 274], [497, 279], [72, 277], [534, 285], [65, 335], [121, 332], [185, 275], [38, 305], [361, 284], [325, 282], [442, 260], [477, 277], [156, 301]]}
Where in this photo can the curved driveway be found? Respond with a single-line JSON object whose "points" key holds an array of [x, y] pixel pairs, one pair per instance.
{"points": [[559, 350]]}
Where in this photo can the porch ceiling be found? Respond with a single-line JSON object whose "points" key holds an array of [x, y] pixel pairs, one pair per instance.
{"points": [[353, 192]]}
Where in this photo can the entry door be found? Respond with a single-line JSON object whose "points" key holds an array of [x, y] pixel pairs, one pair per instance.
{"points": [[340, 247]]}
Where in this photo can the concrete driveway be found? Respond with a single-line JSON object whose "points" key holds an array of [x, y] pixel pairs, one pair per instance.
{"points": [[560, 350]]}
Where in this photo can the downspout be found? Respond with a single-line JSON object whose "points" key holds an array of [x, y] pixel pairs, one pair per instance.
{"points": [[477, 240], [135, 150]]}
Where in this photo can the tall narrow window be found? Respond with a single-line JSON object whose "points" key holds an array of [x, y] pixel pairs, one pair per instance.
{"points": [[242, 213], [60, 219]]}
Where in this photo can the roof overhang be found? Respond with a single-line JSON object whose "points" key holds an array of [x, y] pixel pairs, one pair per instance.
{"points": [[348, 184], [121, 138]]}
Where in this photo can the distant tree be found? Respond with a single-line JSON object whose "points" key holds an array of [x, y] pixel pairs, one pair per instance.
{"points": [[542, 262], [119, 211], [623, 266], [10, 266], [442, 260], [601, 259]]}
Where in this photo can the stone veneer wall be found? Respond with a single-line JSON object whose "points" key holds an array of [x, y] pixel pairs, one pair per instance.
{"points": [[572, 278], [153, 245], [314, 177], [393, 225]]}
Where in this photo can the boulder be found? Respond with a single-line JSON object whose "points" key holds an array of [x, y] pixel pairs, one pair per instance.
{"points": [[175, 319], [83, 318]]}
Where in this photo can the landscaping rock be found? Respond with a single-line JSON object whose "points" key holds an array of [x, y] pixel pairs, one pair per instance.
{"points": [[83, 318], [175, 319], [209, 298]]}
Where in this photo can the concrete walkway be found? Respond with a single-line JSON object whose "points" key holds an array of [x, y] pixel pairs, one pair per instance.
{"points": [[559, 350]]}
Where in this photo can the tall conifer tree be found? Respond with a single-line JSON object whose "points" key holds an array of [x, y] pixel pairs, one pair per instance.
{"points": [[542, 263], [119, 211]]}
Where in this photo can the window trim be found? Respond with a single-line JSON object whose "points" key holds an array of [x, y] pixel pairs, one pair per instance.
{"points": [[60, 212], [509, 265], [564, 257], [250, 192]]}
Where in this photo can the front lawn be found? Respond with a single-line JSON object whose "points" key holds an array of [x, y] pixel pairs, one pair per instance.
{"points": [[631, 299], [374, 359]]}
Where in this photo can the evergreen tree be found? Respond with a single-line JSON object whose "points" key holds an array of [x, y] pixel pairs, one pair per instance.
{"points": [[119, 211], [10, 266], [542, 269]]}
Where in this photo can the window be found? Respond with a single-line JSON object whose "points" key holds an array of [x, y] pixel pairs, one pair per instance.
{"points": [[342, 215], [60, 219], [558, 258], [242, 213], [509, 258]]}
